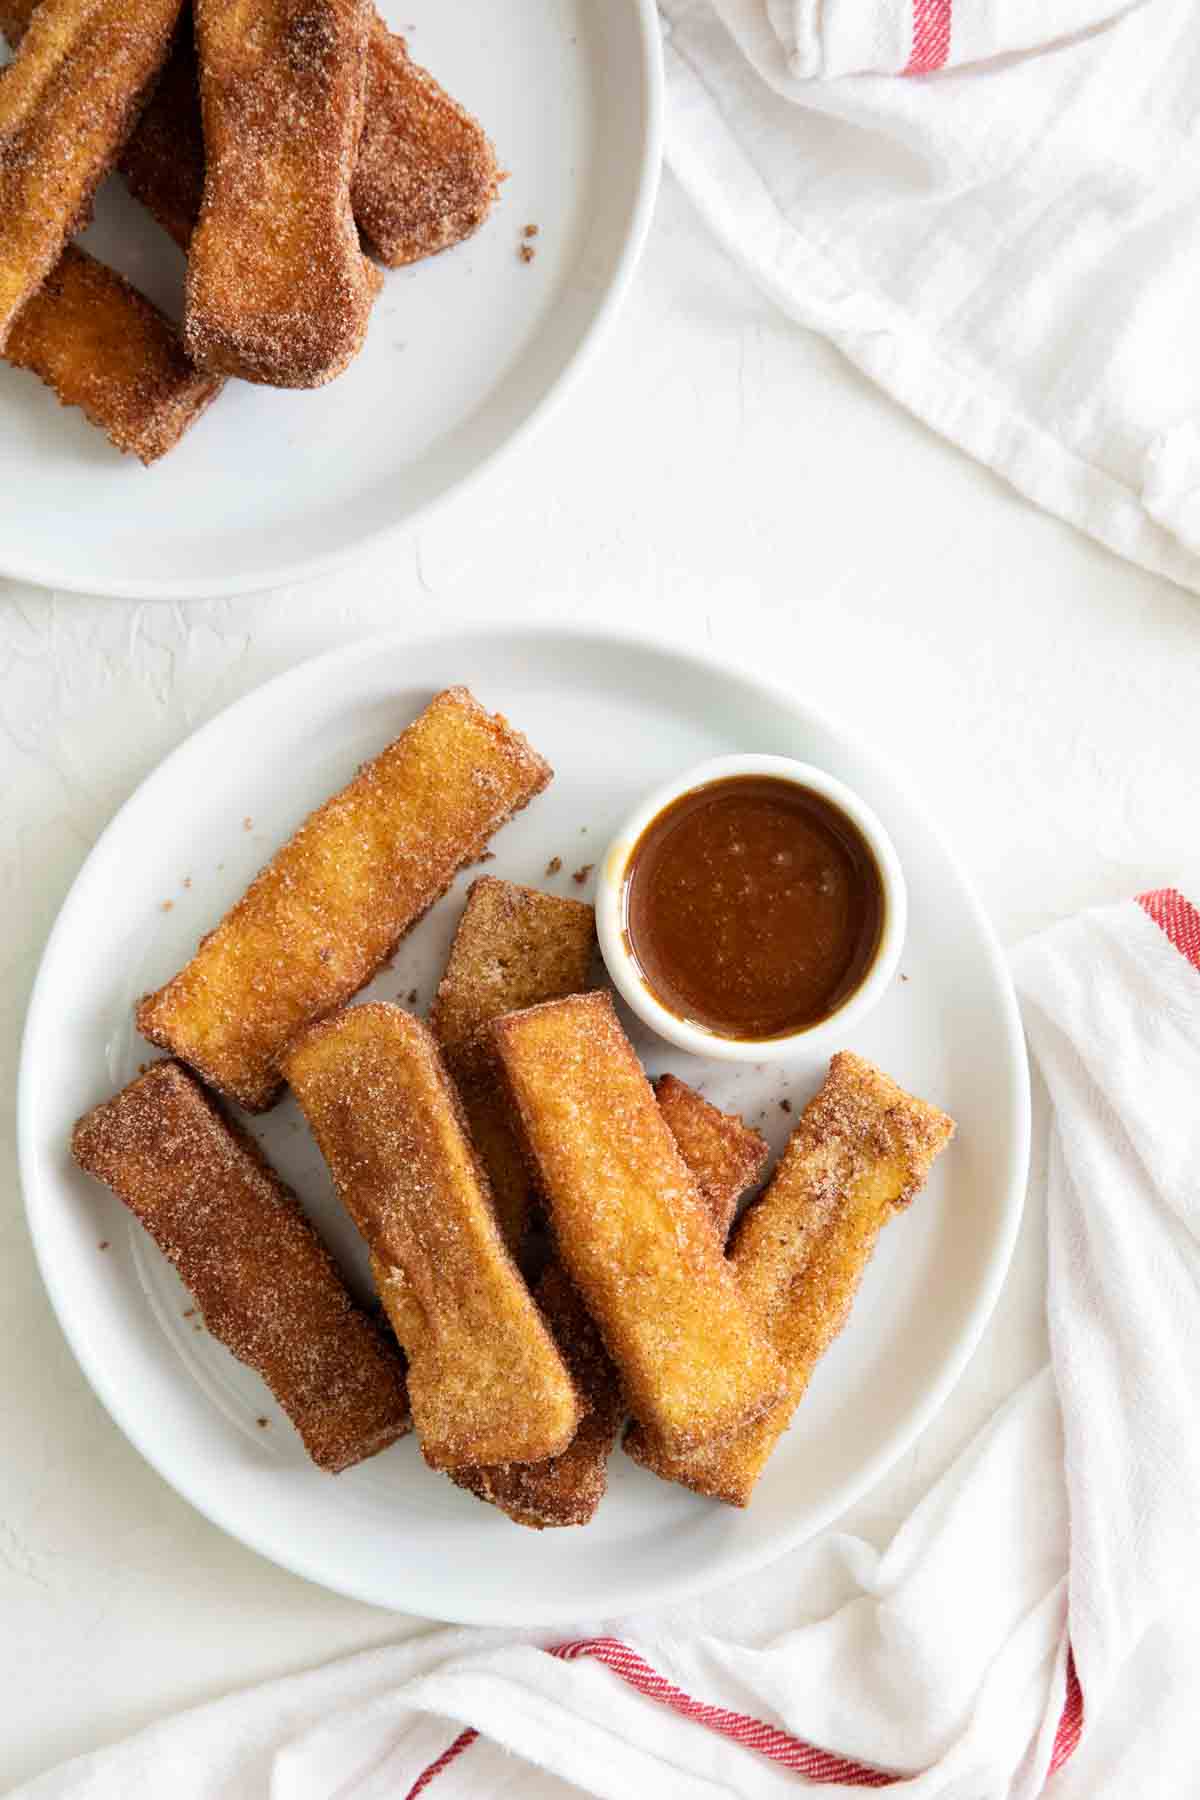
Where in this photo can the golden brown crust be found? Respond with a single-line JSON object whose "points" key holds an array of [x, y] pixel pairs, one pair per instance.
{"points": [[514, 947], [860, 1152], [489, 1120], [725, 1156], [332, 904], [278, 290], [266, 1286], [630, 1225], [68, 101], [101, 346], [162, 165], [426, 176], [562, 1490], [485, 1380]]}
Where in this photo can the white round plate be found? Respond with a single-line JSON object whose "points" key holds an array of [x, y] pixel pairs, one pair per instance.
{"points": [[464, 351], [616, 716]]}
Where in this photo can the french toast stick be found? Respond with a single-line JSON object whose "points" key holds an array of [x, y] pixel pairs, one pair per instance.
{"points": [[565, 1489], [860, 1152], [630, 1225], [485, 1380], [68, 101], [332, 904], [426, 176], [514, 947], [726, 1157], [101, 346], [266, 1286], [278, 290]]}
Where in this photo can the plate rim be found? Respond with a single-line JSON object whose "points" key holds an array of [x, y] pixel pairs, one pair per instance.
{"points": [[16, 566], [673, 1587]]}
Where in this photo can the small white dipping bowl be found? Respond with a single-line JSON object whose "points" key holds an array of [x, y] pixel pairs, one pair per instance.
{"points": [[627, 977]]}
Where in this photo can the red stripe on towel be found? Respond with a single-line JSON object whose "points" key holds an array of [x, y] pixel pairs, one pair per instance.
{"points": [[816, 1765], [1070, 1726], [753, 1734], [462, 1742], [930, 36], [1177, 918]]}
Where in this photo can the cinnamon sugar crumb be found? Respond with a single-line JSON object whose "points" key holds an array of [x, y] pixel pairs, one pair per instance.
{"points": [[526, 252], [412, 996], [582, 874], [262, 1423], [103, 1244], [554, 865], [785, 1106], [166, 906]]}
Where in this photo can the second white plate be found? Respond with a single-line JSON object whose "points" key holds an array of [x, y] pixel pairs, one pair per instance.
{"points": [[615, 717]]}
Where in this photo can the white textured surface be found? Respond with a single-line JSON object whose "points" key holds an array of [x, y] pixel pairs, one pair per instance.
{"points": [[717, 471]]}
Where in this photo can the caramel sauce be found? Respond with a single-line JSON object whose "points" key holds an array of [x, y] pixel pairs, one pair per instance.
{"points": [[753, 907]]}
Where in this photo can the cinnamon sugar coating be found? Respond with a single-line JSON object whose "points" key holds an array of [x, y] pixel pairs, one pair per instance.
{"points": [[630, 1225], [278, 290], [331, 906], [426, 176], [725, 1156], [162, 165], [862, 1149], [101, 346], [162, 162], [566, 1489], [514, 947], [485, 1380], [266, 1286], [68, 101]]}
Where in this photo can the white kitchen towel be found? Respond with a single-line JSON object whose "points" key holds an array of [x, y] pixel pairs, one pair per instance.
{"points": [[1062, 1540], [1010, 247]]}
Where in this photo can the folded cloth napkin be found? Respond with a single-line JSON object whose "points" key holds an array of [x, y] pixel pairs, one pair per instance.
{"points": [[1044, 1586], [1010, 247]]}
